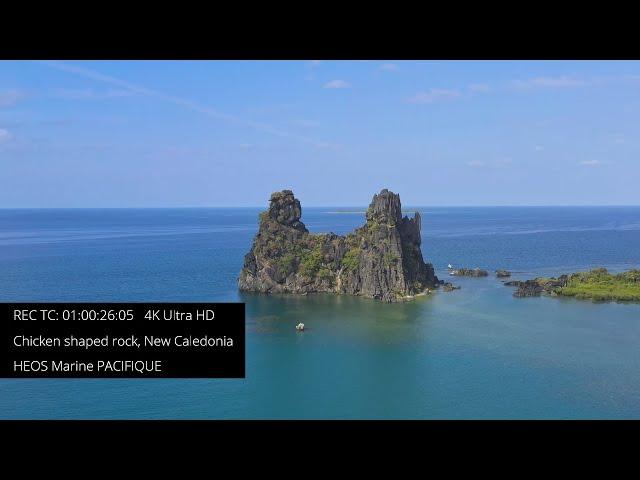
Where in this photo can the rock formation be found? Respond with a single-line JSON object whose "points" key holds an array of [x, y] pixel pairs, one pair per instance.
{"points": [[449, 287], [597, 285], [469, 272], [503, 273], [527, 288], [537, 286], [381, 260]]}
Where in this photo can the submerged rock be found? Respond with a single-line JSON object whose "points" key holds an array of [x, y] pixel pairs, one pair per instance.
{"points": [[381, 260], [469, 272], [450, 287]]}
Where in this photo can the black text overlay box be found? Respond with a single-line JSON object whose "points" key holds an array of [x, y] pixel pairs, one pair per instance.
{"points": [[122, 340]]}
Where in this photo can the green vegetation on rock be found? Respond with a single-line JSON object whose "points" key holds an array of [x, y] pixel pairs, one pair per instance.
{"points": [[351, 259], [381, 259], [600, 285], [390, 258], [311, 261], [373, 226], [286, 263], [324, 273]]}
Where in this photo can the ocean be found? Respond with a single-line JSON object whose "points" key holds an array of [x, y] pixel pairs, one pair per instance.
{"points": [[475, 353]]}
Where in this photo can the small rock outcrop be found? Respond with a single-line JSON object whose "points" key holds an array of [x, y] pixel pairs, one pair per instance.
{"points": [[537, 286], [381, 260], [469, 272], [503, 274], [449, 287], [528, 288]]}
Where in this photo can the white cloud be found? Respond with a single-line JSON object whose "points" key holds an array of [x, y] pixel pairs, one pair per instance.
{"points": [[91, 94], [476, 163], [389, 67], [479, 88], [434, 95], [10, 97], [307, 123], [181, 102], [565, 81], [550, 82], [327, 145], [618, 138], [337, 84], [590, 163], [4, 135]]}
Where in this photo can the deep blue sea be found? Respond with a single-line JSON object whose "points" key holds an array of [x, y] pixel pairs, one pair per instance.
{"points": [[473, 353]]}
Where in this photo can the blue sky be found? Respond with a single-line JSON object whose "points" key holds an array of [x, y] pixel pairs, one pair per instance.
{"points": [[223, 133]]}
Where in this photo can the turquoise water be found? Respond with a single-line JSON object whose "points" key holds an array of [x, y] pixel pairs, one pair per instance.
{"points": [[473, 353]]}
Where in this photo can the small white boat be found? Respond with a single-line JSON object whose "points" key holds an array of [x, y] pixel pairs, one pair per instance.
{"points": [[450, 266], [300, 327]]}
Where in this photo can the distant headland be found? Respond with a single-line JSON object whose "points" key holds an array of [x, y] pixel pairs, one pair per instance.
{"points": [[380, 260]]}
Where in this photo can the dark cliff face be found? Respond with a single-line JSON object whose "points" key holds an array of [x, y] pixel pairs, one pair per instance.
{"points": [[382, 259], [285, 209]]}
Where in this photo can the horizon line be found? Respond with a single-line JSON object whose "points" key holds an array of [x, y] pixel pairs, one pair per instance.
{"points": [[409, 207]]}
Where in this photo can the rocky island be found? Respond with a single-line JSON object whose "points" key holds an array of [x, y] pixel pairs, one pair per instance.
{"points": [[598, 285], [380, 260], [469, 272]]}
